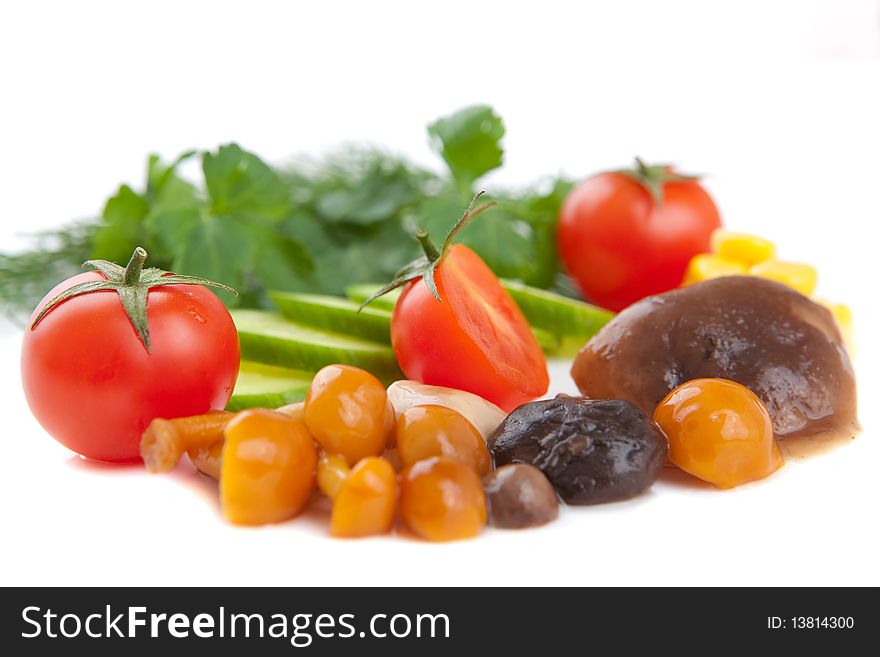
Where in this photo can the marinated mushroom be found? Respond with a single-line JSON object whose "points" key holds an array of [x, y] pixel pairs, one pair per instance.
{"points": [[778, 343], [484, 415], [518, 496], [591, 450]]}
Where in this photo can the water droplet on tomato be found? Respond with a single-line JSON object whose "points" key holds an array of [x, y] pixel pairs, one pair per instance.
{"points": [[195, 313]]}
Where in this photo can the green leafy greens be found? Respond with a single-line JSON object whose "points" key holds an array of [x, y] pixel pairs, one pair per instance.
{"points": [[316, 226]]}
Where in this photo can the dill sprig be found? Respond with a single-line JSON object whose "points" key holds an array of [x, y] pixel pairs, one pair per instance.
{"points": [[53, 256]]}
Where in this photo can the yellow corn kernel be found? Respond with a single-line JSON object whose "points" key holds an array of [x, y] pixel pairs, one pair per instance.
{"points": [[742, 247], [704, 266], [843, 315], [796, 275]]}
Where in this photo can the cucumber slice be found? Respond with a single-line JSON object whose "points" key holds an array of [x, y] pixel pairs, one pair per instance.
{"points": [[338, 314], [268, 338], [360, 293], [572, 321], [549, 342], [334, 314], [562, 325], [267, 386]]}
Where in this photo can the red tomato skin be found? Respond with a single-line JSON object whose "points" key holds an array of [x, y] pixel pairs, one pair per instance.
{"points": [[620, 246], [432, 343], [92, 385]]}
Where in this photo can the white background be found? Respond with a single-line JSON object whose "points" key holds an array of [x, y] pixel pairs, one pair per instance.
{"points": [[777, 101]]}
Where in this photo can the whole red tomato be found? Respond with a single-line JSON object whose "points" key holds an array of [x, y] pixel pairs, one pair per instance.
{"points": [[625, 235], [94, 384]]}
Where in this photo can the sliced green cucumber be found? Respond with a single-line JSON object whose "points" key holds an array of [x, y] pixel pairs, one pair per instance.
{"points": [[360, 293], [269, 338], [572, 321], [334, 314], [562, 325], [341, 315], [267, 386], [549, 342]]}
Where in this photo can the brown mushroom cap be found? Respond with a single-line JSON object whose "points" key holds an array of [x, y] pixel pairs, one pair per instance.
{"points": [[784, 347]]}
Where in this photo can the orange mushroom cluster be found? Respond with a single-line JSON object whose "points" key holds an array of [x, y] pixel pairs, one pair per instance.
{"points": [[345, 443]]}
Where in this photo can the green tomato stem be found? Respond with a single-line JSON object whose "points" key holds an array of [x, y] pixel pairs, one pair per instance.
{"points": [[132, 284], [134, 267], [428, 246]]}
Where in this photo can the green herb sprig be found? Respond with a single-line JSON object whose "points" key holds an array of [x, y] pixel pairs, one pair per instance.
{"points": [[316, 226]]}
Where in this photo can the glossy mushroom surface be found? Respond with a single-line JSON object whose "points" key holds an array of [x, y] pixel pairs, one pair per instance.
{"points": [[778, 343]]}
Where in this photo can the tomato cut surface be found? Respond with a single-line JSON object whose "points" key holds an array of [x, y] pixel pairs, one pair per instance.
{"points": [[475, 339]]}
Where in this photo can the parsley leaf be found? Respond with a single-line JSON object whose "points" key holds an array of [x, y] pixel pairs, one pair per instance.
{"points": [[469, 142], [241, 184], [505, 241], [122, 225], [231, 235], [319, 225], [348, 253], [379, 194], [218, 247]]}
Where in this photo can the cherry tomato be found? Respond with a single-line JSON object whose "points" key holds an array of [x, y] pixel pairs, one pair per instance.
{"points": [[93, 385], [474, 339], [621, 243]]}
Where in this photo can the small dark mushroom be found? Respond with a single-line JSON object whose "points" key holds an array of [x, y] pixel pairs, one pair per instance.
{"points": [[592, 451], [519, 496]]}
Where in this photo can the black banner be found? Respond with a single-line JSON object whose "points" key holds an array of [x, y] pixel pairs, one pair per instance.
{"points": [[335, 621]]}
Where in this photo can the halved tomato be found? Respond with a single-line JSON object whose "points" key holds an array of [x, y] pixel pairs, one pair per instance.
{"points": [[475, 338]]}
